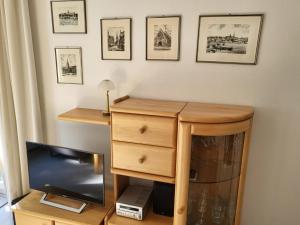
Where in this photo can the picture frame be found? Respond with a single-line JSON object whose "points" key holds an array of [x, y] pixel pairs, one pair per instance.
{"points": [[116, 38], [163, 37], [69, 65], [229, 38], [69, 17]]}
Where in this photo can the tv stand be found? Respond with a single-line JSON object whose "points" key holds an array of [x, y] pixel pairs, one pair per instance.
{"points": [[63, 203], [29, 211]]}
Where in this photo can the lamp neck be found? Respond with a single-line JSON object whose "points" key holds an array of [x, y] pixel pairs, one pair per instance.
{"points": [[107, 101]]}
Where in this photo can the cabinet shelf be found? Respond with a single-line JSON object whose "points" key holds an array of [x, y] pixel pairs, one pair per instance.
{"points": [[151, 219], [170, 180], [215, 182], [82, 115]]}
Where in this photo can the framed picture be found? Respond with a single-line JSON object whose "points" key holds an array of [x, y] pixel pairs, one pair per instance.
{"points": [[229, 38], [116, 38], [69, 65], [68, 16], [163, 38]]}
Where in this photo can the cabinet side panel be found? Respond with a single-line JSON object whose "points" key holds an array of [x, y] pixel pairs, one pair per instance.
{"points": [[243, 173], [182, 173], [120, 184]]}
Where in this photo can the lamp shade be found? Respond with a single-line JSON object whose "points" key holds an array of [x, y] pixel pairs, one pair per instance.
{"points": [[106, 85]]}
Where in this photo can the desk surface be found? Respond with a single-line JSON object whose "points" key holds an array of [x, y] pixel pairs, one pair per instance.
{"points": [[91, 116]]}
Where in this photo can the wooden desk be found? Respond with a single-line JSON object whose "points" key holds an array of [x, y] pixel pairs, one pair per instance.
{"points": [[91, 116], [29, 211]]}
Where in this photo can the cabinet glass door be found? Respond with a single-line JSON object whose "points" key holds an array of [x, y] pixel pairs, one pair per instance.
{"points": [[214, 179]]}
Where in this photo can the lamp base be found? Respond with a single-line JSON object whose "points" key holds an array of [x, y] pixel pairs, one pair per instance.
{"points": [[105, 113]]}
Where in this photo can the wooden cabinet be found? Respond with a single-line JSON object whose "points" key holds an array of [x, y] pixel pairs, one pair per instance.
{"points": [[23, 219], [211, 164], [204, 147], [144, 145], [29, 211], [201, 148]]}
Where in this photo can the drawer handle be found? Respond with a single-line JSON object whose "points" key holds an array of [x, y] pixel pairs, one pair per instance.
{"points": [[142, 159], [143, 129], [181, 210]]}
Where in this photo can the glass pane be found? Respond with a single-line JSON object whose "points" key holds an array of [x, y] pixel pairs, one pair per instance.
{"points": [[214, 179]]}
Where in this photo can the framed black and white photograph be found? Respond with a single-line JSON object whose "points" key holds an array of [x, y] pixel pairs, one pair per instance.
{"points": [[163, 38], [229, 38], [68, 16], [69, 65], [116, 39]]}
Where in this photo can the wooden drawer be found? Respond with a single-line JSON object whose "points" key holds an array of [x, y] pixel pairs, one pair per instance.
{"points": [[142, 129], [144, 158], [60, 223], [23, 219]]}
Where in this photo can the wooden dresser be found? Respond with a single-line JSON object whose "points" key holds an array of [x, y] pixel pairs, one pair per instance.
{"points": [[144, 145]]}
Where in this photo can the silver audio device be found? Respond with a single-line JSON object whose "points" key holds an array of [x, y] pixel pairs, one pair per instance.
{"points": [[134, 202]]}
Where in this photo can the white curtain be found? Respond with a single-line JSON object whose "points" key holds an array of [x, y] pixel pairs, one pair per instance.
{"points": [[20, 117]]}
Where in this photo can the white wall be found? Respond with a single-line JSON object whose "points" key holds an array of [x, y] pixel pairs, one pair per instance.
{"points": [[272, 87]]}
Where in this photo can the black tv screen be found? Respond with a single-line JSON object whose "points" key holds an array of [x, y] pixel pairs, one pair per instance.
{"points": [[66, 172]]}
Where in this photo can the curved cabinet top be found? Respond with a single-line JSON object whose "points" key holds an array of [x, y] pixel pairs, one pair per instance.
{"points": [[215, 113]]}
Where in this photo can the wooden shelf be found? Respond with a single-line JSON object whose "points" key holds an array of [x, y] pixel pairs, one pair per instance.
{"points": [[91, 116], [151, 219], [146, 176]]}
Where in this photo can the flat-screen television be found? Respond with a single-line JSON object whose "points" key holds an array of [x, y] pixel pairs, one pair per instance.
{"points": [[66, 172]]}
